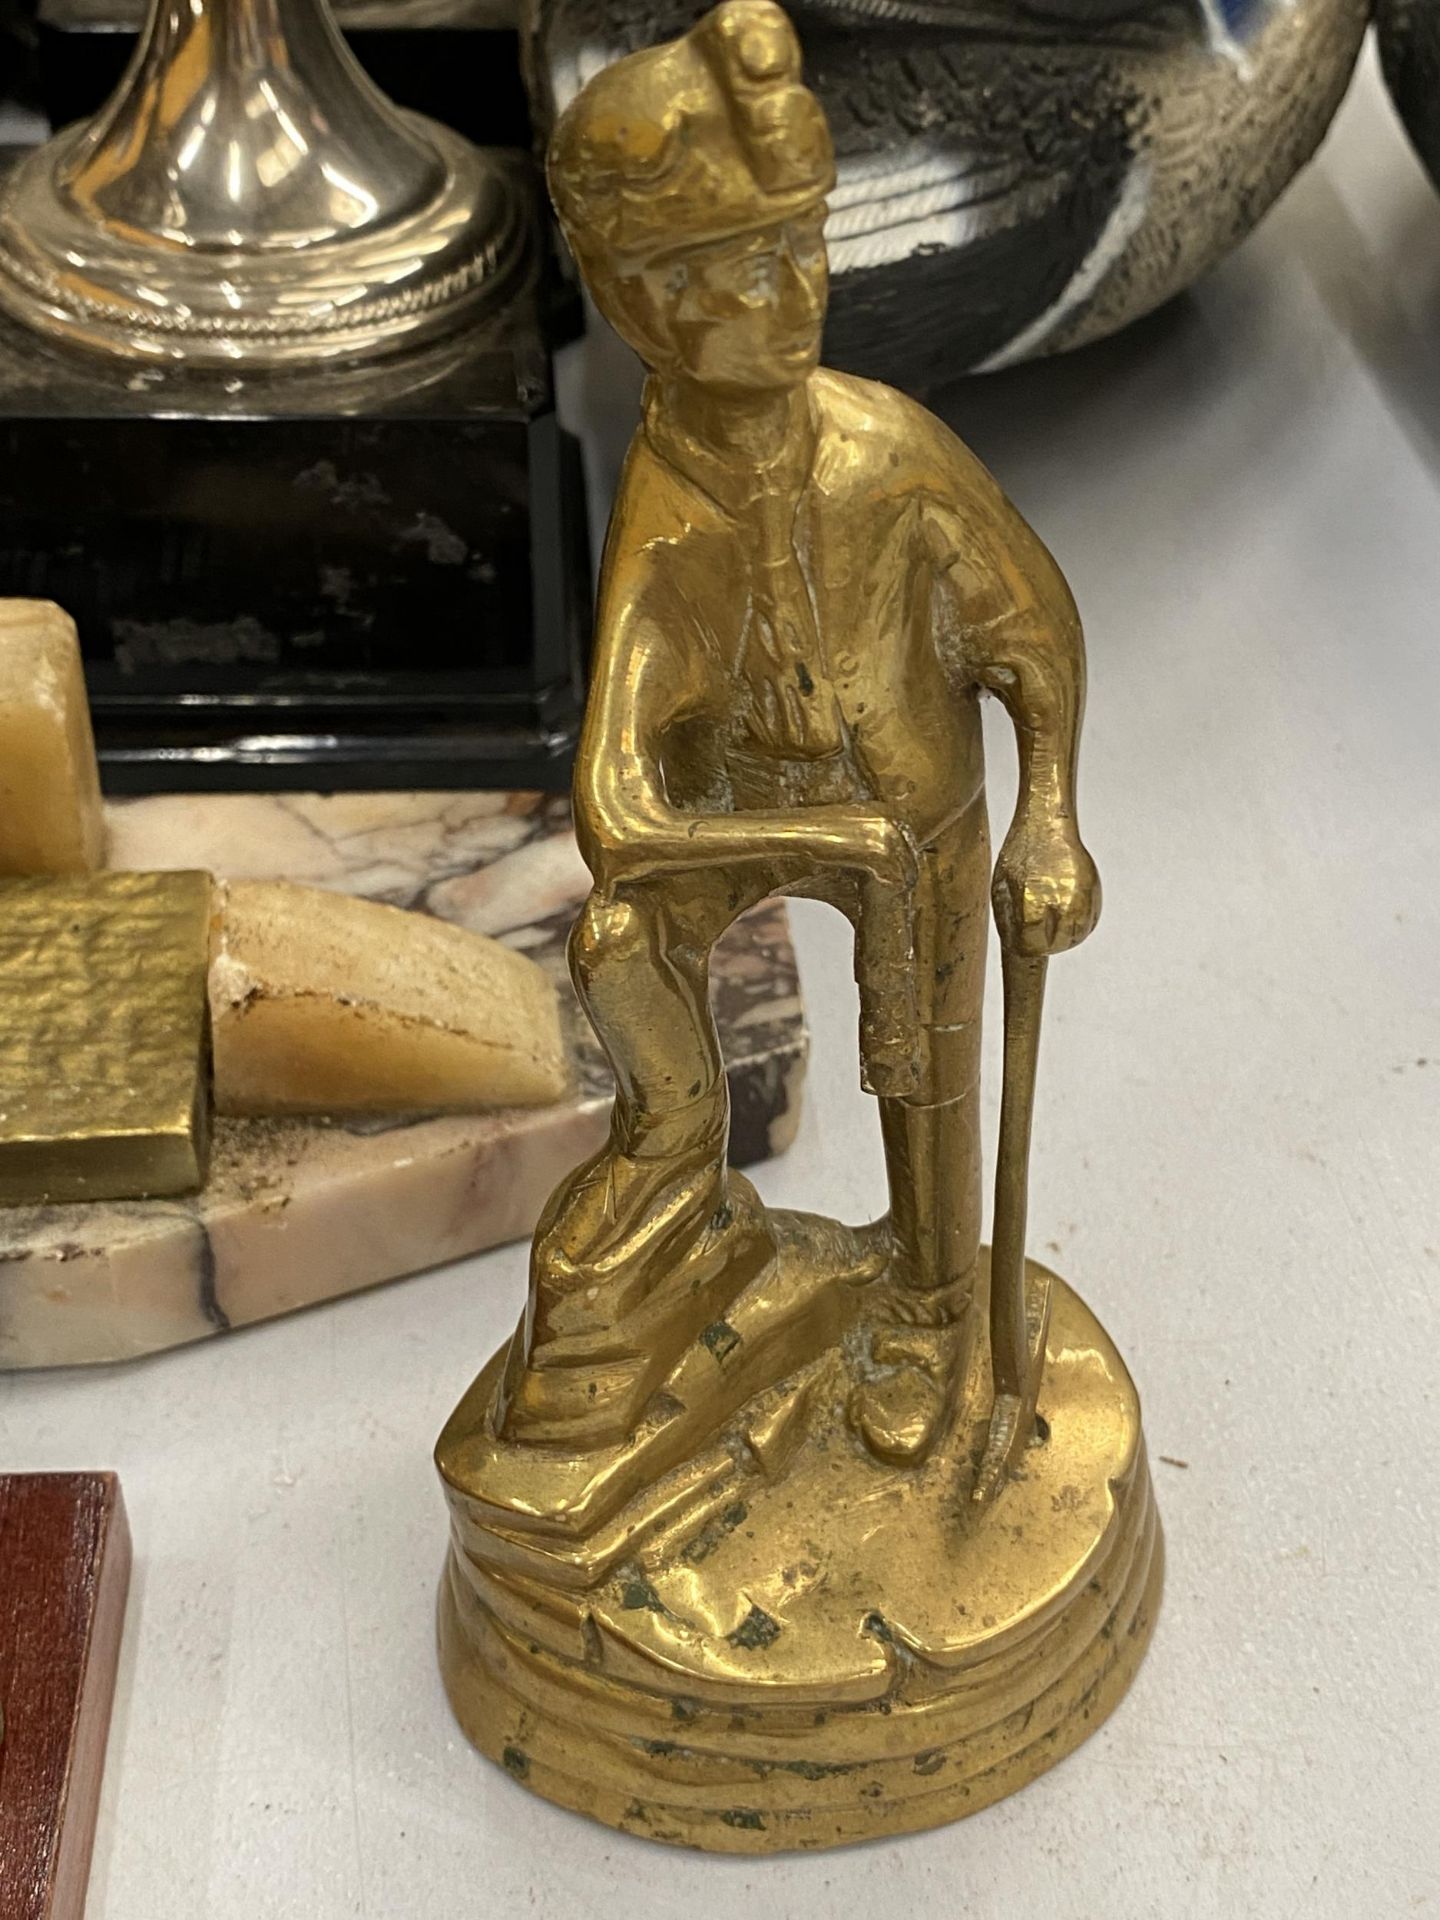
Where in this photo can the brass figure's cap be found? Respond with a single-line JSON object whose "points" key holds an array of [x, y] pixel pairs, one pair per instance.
{"points": [[699, 139]]}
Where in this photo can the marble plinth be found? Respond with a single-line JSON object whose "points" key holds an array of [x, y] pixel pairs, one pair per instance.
{"points": [[298, 1211]]}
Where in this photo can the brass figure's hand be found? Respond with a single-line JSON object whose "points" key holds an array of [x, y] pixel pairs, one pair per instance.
{"points": [[879, 846], [1046, 892]]}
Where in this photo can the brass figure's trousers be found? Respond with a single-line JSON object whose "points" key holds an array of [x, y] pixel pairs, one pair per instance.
{"points": [[640, 956]]}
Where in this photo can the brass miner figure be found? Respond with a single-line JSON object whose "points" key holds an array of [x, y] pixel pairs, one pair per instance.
{"points": [[759, 1540]]}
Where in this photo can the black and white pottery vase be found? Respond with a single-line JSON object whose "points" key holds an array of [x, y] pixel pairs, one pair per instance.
{"points": [[1019, 178], [1410, 56]]}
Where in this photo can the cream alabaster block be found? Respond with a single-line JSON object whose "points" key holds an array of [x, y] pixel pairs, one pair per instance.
{"points": [[50, 813], [323, 1003]]}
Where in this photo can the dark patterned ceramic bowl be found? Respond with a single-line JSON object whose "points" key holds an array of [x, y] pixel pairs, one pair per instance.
{"points": [[1015, 179], [1410, 55]]}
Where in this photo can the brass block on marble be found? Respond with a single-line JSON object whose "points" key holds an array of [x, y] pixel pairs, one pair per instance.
{"points": [[104, 1036]]}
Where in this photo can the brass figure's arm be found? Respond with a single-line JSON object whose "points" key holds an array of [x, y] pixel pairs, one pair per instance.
{"points": [[1017, 635], [645, 684]]}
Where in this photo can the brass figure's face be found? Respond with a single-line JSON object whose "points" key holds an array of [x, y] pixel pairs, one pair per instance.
{"points": [[744, 315]]}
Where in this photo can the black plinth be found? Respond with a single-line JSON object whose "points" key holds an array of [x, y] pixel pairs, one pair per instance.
{"points": [[455, 60], [18, 70], [360, 577]]}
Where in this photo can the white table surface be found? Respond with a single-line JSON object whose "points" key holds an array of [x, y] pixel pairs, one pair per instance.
{"points": [[1237, 1161]]}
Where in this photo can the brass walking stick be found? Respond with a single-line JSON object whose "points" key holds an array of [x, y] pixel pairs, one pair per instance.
{"points": [[1018, 1321]]}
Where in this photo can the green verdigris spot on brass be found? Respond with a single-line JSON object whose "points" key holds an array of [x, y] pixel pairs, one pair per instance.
{"points": [[710, 1536], [756, 1630], [637, 1592], [745, 1817], [517, 1760], [721, 1338]]}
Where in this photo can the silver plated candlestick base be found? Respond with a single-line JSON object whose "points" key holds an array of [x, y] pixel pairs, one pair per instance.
{"points": [[249, 199]]}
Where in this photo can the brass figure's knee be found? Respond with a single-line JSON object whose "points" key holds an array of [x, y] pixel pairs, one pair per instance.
{"points": [[607, 933]]}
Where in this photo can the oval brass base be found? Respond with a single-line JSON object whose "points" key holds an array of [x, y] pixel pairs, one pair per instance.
{"points": [[805, 1671]]}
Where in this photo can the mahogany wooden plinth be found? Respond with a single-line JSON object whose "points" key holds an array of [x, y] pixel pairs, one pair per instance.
{"points": [[64, 1573]]}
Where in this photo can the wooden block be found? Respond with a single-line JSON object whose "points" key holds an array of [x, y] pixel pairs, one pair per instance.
{"points": [[64, 1573], [50, 815]]}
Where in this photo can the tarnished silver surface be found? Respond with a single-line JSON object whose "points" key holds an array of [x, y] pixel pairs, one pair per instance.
{"points": [[248, 197]]}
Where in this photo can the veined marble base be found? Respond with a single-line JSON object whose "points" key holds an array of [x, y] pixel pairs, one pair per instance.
{"points": [[298, 1211]]}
